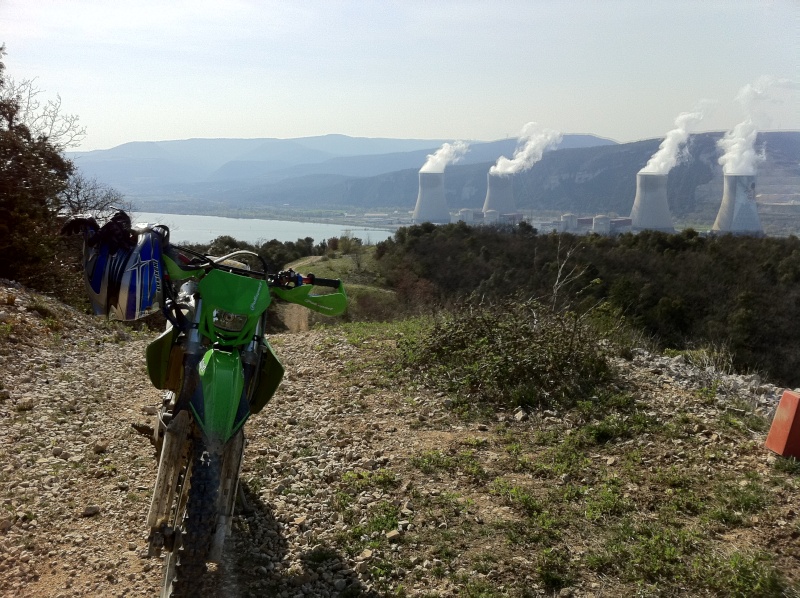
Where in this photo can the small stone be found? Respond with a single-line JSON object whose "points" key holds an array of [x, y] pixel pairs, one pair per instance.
{"points": [[483, 428], [100, 446], [393, 536], [149, 410], [91, 511], [339, 585], [520, 415], [611, 460], [57, 450]]}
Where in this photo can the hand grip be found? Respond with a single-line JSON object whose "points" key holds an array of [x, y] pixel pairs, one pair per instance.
{"points": [[324, 282]]}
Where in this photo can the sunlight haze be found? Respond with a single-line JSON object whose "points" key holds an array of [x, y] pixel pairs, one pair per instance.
{"points": [[153, 70]]}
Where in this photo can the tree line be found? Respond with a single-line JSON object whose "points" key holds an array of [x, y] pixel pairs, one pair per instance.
{"points": [[684, 290], [277, 254]]}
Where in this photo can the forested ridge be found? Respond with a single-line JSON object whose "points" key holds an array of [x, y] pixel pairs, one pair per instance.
{"points": [[684, 290]]}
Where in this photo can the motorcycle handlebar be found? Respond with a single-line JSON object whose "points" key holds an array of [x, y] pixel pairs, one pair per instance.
{"points": [[324, 282]]}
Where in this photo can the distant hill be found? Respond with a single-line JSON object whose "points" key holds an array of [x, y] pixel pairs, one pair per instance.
{"points": [[187, 167], [146, 166]]}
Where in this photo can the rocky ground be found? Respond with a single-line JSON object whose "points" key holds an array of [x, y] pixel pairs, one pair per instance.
{"points": [[337, 454]]}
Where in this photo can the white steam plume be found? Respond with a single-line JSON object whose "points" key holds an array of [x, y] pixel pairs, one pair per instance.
{"points": [[532, 142], [449, 153], [740, 155], [739, 146], [669, 152]]}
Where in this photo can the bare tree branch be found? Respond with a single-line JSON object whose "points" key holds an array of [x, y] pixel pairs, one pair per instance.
{"points": [[84, 195], [562, 279], [44, 119]]}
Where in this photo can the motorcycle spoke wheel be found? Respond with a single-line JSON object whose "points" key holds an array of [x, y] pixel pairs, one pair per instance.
{"points": [[176, 522], [195, 526]]}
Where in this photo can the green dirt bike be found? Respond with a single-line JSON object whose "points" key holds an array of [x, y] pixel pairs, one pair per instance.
{"points": [[214, 364]]}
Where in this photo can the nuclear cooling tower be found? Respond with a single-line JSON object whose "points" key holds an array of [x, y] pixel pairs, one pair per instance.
{"points": [[499, 194], [738, 213], [431, 202], [650, 209]]}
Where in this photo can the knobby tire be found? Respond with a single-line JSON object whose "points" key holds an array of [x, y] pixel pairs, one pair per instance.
{"points": [[198, 524]]}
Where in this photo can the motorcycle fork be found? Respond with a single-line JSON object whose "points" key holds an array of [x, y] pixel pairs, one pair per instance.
{"points": [[226, 498], [172, 464], [175, 454]]}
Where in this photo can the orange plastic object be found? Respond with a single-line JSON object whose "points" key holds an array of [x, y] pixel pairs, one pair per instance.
{"points": [[784, 434]]}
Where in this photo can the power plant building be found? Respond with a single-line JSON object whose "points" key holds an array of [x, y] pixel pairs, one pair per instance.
{"points": [[431, 201], [570, 222], [499, 194], [466, 215], [601, 225], [650, 208], [491, 217], [738, 213]]}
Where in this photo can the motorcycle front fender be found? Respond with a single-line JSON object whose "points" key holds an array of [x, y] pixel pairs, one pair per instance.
{"points": [[221, 408]]}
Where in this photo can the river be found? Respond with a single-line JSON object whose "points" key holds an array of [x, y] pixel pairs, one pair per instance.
{"points": [[203, 229]]}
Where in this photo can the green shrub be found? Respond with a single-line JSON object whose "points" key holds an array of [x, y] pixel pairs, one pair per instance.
{"points": [[511, 352]]}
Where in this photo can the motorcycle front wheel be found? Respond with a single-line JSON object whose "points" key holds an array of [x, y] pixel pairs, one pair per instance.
{"points": [[193, 522]]}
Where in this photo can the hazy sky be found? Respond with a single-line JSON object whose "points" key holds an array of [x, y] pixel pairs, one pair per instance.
{"points": [[143, 70]]}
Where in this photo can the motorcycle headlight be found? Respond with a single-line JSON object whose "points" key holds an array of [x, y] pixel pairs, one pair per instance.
{"points": [[228, 321]]}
